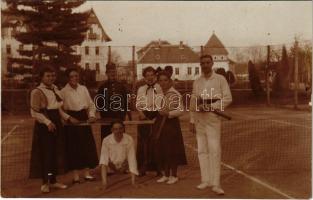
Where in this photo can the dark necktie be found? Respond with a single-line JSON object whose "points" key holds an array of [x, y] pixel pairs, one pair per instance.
{"points": [[151, 87], [58, 98]]}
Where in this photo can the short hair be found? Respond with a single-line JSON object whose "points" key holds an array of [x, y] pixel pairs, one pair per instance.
{"points": [[117, 122], [164, 73], [45, 69], [206, 56], [69, 70], [148, 69], [169, 69]]}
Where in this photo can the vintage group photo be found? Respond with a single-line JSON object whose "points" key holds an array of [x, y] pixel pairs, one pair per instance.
{"points": [[159, 99]]}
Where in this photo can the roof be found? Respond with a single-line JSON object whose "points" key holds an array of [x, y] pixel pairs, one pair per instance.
{"points": [[169, 54], [214, 46], [93, 19], [153, 43]]}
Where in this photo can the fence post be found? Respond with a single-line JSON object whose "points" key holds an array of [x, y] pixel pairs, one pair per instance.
{"points": [[296, 74], [268, 97], [134, 69], [109, 54]]}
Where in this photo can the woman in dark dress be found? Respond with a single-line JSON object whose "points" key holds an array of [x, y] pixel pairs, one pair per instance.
{"points": [[80, 144], [47, 156], [169, 147]]}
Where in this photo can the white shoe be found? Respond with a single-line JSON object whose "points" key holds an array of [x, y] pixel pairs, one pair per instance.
{"points": [[218, 190], [45, 188], [58, 186], [172, 180], [163, 179], [202, 186]]}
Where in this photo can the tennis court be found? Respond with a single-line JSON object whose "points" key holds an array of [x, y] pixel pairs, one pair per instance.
{"points": [[266, 153]]}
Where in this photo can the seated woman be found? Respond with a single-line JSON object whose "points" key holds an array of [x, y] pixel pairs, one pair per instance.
{"points": [[169, 147], [118, 153], [80, 144]]}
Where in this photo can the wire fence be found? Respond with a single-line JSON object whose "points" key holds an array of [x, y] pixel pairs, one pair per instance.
{"points": [[275, 71]]}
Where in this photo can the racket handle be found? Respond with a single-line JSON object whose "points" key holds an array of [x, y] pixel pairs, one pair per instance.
{"points": [[222, 114]]}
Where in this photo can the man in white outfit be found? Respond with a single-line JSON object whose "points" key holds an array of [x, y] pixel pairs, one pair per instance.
{"points": [[118, 153], [210, 92]]}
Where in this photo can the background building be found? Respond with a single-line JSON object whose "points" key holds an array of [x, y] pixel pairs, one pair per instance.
{"points": [[93, 50], [217, 50], [182, 58]]}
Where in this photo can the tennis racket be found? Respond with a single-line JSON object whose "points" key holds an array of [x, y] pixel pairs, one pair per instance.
{"points": [[207, 102], [170, 101]]}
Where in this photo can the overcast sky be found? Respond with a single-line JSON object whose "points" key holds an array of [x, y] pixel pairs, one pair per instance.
{"points": [[235, 23]]}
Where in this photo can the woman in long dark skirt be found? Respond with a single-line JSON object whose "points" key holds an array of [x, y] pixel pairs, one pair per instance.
{"points": [[169, 147], [47, 156], [80, 144]]}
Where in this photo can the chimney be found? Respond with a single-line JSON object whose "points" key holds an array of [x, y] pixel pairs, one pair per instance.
{"points": [[181, 44], [158, 45]]}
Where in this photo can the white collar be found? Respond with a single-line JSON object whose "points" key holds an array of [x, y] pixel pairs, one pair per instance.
{"points": [[113, 141], [68, 86]]}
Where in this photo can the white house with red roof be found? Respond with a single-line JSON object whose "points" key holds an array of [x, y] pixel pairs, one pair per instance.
{"points": [[181, 57]]}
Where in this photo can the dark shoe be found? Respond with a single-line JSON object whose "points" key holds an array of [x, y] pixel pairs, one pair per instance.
{"points": [[159, 174], [75, 181], [141, 174]]}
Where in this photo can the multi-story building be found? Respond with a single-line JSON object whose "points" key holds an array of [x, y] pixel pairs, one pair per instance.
{"points": [[93, 50], [10, 48]]}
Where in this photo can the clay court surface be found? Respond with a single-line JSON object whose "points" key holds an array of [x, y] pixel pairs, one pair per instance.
{"points": [[266, 153]]}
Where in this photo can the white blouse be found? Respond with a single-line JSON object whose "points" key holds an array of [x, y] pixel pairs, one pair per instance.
{"points": [[45, 98], [149, 98], [76, 99], [175, 101]]}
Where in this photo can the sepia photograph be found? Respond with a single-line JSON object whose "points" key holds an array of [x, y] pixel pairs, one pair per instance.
{"points": [[156, 99]]}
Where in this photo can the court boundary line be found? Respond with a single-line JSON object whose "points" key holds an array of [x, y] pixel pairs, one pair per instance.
{"points": [[251, 178], [11, 131]]}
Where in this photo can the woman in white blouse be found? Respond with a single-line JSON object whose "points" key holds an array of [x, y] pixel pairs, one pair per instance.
{"points": [[80, 144], [168, 145]]}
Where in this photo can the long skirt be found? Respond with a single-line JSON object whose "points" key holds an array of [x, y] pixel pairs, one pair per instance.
{"points": [[81, 151], [48, 149], [168, 147], [144, 156]]}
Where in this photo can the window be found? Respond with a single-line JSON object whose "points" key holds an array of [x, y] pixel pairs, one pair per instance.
{"points": [[222, 57], [214, 57], [86, 50], [97, 50], [189, 70], [177, 71], [157, 57], [8, 49], [86, 65], [97, 67], [196, 70]]}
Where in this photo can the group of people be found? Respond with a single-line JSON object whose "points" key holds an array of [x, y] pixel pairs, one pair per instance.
{"points": [[69, 145]]}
